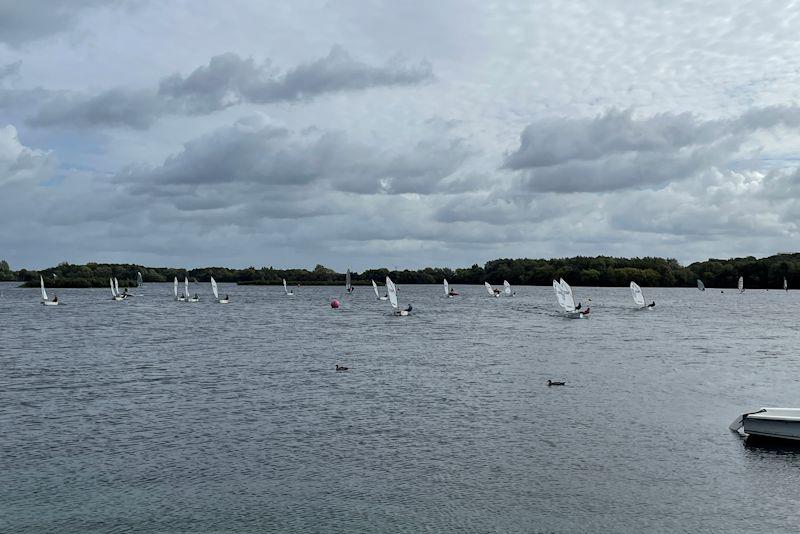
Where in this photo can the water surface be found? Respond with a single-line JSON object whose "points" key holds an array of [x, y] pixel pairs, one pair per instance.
{"points": [[158, 416]]}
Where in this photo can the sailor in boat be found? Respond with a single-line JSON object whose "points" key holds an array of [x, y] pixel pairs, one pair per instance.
{"points": [[579, 306], [496, 291], [453, 293], [55, 298], [409, 308], [196, 297], [227, 297], [652, 304]]}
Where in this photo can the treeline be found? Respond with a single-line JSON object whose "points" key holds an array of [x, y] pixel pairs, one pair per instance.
{"points": [[580, 271]]}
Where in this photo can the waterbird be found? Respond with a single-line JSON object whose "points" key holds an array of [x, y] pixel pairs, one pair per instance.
{"points": [[551, 383], [341, 367]]}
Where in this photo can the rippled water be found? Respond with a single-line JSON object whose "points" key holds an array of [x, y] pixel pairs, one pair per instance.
{"points": [[157, 416]]}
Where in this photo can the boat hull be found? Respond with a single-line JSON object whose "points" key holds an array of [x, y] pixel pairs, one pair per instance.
{"points": [[773, 423]]}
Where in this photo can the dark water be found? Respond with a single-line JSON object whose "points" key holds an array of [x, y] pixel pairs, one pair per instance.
{"points": [[157, 416]]}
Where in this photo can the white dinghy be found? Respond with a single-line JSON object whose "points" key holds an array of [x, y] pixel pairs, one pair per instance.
{"points": [[770, 423], [700, 285], [378, 295], [182, 298], [785, 284], [139, 280], [226, 300], [448, 291], [347, 285], [116, 287], [393, 299], [286, 289], [492, 291], [114, 293], [46, 301], [638, 297], [186, 289], [741, 284], [567, 301], [507, 289]]}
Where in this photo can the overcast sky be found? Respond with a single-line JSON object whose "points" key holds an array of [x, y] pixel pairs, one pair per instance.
{"points": [[401, 134]]}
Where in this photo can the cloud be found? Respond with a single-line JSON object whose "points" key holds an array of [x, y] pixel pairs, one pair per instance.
{"points": [[258, 155], [616, 150], [227, 80], [10, 70], [30, 20], [19, 163]]}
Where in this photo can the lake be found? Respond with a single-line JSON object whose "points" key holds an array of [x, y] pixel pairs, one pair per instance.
{"points": [[151, 415]]}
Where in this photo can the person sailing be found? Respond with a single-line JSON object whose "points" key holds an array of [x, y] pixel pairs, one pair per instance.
{"points": [[652, 304]]}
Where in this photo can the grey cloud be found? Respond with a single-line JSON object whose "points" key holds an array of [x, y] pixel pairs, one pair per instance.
{"points": [[615, 150], [10, 70], [115, 107], [19, 163], [228, 79], [29, 20], [259, 155]]}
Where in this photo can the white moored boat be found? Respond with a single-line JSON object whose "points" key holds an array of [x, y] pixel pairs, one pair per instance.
{"points": [[46, 301], [393, 299], [378, 295], [286, 289], [226, 300], [770, 423]]}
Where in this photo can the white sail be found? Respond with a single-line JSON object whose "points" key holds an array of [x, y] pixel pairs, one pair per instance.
{"points": [[446, 287], [507, 287], [44, 293], [559, 293], [347, 281], [186, 287], [116, 285], [139, 281], [636, 291], [113, 291], [285, 289], [175, 287], [569, 300], [700, 285], [741, 284], [375, 287], [489, 288], [392, 292], [214, 288], [785, 285]]}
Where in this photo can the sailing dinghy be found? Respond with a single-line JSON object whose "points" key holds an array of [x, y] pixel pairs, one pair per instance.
{"points": [[226, 300], [507, 289], [139, 280], [182, 298], [286, 289], [378, 295], [393, 299], [700, 285], [447, 291], [785, 285], [638, 297], [492, 291], [46, 301], [741, 284], [186, 288], [114, 292], [347, 285], [567, 301]]}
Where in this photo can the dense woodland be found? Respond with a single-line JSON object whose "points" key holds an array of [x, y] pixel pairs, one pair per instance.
{"points": [[579, 271]]}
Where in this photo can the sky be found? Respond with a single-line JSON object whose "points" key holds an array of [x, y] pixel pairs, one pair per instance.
{"points": [[374, 133]]}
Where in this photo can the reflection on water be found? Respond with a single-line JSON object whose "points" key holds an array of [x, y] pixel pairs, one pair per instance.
{"points": [[152, 415]]}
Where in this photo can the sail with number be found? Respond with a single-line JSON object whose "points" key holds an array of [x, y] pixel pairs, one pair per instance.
{"points": [[392, 292], [214, 288], [700, 285], [741, 284], [636, 292], [489, 288]]}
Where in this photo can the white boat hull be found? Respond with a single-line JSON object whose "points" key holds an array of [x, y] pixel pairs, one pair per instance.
{"points": [[224, 301], [773, 423], [49, 303], [401, 313]]}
